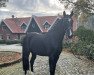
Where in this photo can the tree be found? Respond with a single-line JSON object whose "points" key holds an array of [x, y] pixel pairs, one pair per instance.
{"points": [[84, 8], [3, 3]]}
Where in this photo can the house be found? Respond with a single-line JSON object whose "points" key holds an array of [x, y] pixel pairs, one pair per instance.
{"points": [[15, 28], [41, 23]]}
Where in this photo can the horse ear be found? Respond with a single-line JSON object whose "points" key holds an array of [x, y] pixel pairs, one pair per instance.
{"points": [[64, 13], [71, 14]]}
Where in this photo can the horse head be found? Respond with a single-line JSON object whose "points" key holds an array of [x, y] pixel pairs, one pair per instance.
{"points": [[68, 24]]}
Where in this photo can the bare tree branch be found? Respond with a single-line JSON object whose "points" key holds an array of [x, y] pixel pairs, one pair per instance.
{"points": [[85, 3], [3, 3]]}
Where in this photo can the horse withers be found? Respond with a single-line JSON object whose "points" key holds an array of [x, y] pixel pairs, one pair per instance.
{"points": [[47, 44]]}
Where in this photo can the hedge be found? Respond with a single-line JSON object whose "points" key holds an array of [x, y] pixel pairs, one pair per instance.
{"points": [[85, 44], [85, 35], [10, 41]]}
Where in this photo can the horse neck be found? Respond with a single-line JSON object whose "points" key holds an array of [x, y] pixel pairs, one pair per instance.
{"points": [[57, 32]]}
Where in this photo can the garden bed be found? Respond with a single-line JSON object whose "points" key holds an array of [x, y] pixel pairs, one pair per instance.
{"points": [[9, 57]]}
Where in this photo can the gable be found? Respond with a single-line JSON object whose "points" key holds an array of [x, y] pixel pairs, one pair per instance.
{"points": [[23, 26], [5, 28], [14, 24], [33, 26], [41, 20], [46, 25]]}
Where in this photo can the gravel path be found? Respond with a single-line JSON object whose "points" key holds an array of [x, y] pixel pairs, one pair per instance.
{"points": [[14, 47], [67, 64]]}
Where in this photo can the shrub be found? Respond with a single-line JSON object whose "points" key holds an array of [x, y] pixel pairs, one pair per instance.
{"points": [[89, 51], [2, 41], [85, 44], [85, 35], [13, 41], [67, 45], [78, 47], [10, 41]]}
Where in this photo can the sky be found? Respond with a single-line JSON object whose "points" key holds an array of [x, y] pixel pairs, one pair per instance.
{"points": [[25, 8]]}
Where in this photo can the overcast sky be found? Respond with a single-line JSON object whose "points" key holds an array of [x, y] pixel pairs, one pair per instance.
{"points": [[23, 8]]}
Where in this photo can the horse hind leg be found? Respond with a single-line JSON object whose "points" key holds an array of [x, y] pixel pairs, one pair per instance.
{"points": [[32, 61], [52, 66], [25, 58]]}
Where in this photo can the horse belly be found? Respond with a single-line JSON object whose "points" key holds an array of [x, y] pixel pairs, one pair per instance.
{"points": [[39, 48]]}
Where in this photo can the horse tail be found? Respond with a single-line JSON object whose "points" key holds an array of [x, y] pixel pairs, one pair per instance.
{"points": [[25, 55]]}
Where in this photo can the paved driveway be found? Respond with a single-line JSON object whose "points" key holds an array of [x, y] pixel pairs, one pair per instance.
{"points": [[13, 47], [67, 64]]}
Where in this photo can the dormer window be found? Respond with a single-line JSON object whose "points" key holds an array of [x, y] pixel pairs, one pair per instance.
{"points": [[23, 26], [46, 25], [33, 25]]}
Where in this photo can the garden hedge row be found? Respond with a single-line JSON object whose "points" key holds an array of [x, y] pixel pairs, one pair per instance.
{"points": [[85, 44], [10, 41]]}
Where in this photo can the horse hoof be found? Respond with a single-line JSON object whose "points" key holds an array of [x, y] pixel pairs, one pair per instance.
{"points": [[30, 73]]}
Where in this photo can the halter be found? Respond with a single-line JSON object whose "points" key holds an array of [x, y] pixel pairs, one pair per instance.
{"points": [[68, 27]]}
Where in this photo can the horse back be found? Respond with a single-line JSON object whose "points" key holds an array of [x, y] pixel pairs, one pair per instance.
{"points": [[40, 44]]}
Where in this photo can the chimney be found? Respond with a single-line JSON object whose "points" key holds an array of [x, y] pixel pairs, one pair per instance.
{"points": [[12, 16]]}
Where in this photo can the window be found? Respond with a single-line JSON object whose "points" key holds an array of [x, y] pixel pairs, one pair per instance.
{"points": [[92, 21], [19, 37], [1, 37], [33, 25], [4, 28], [46, 25], [8, 37], [23, 26]]}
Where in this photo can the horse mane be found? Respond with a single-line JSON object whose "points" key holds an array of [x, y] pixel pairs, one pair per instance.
{"points": [[57, 22]]}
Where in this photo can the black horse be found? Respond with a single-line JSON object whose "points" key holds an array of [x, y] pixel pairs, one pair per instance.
{"points": [[47, 44]]}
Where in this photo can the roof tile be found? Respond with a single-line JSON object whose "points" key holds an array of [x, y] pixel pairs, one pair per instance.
{"points": [[15, 23]]}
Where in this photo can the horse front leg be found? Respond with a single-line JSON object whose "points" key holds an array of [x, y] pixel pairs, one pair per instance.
{"points": [[52, 64]]}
